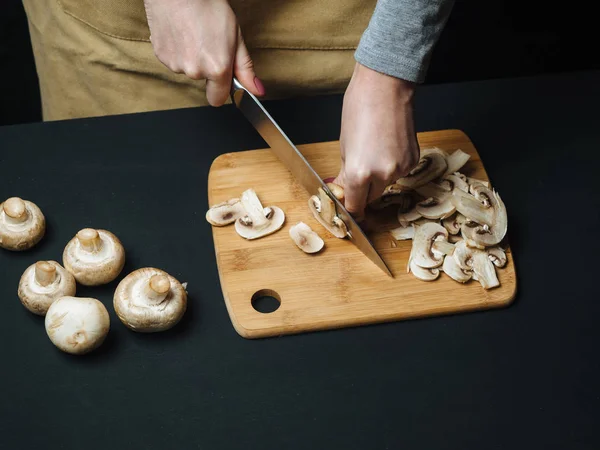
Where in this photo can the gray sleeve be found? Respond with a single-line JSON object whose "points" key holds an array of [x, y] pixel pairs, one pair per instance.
{"points": [[401, 36]]}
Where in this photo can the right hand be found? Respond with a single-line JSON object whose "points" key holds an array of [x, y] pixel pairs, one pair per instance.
{"points": [[202, 39]]}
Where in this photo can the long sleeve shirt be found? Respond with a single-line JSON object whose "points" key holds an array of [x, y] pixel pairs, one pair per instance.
{"points": [[401, 35]]}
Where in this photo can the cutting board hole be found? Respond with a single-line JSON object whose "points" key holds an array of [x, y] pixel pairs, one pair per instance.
{"points": [[266, 301]]}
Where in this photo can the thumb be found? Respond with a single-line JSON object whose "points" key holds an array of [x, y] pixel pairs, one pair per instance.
{"points": [[243, 68]]}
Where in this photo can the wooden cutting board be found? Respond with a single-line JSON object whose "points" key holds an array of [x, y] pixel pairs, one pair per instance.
{"points": [[338, 287]]}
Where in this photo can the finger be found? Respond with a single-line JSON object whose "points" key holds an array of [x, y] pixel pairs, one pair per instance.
{"points": [[376, 189], [243, 68], [356, 194], [218, 86]]}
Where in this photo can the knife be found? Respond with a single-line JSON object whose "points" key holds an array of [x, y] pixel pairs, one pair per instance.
{"points": [[291, 157]]}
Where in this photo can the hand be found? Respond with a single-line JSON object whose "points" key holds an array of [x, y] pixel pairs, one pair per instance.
{"points": [[378, 140], [202, 39]]}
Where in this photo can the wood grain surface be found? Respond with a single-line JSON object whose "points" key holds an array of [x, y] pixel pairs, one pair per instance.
{"points": [[338, 287]]}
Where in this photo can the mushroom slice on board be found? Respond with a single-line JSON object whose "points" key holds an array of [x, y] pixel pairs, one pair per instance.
{"points": [[454, 271], [438, 202], [42, 283], [323, 209], [423, 253], [393, 195], [478, 262], [225, 213], [455, 161], [497, 256], [22, 224], [150, 300], [456, 182], [453, 223], [305, 238], [423, 273], [77, 325], [489, 221], [94, 257], [258, 221], [337, 191], [406, 218], [430, 166]]}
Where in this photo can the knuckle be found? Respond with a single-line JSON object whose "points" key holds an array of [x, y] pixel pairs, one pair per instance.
{"points": [[218, 71], [193, 71]]}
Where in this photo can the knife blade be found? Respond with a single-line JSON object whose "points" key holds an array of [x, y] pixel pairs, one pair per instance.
{"points": [[295, 162]]}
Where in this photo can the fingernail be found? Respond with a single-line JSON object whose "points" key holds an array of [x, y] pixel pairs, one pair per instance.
{"points": [[259, 86]]}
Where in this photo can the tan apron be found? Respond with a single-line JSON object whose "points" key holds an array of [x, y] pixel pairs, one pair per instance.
{"points": [[94, 57]]}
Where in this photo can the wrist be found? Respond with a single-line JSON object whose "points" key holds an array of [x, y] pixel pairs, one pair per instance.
{"points": [[367, 78]]}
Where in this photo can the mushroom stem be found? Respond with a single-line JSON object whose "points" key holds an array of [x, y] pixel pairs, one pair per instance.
{"points": [[15, 210], [45, 273], [90, 240], [157, 289]]}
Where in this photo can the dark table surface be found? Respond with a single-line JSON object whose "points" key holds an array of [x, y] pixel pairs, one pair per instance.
{"points": [[522, 377]]}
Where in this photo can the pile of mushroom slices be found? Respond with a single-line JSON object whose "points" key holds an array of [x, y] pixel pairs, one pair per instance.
{"points": [[457, 224], [253, 221], [146, 300]]}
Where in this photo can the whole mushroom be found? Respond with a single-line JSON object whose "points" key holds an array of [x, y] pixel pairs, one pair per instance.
{"points": [[22, 224], [42, 283], [94, 257], [150, 300], [77, 325]]}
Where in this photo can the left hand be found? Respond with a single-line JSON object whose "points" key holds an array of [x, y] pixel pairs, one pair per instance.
{"points": [[378, 140]]}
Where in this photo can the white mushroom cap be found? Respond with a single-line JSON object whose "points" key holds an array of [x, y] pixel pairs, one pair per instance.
{"points": [[150, 300], [305, 238], [94, 257], [42, 283], [22, 224], [77, 325]]}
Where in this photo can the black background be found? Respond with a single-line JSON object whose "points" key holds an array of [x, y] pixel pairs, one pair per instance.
{"points": [[483, 39], [523, 377]]}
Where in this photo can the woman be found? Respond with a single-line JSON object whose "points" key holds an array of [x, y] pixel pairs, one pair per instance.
{"points": [[99, 57]]}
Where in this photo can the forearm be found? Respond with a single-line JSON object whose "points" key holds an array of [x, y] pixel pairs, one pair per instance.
{"points": [[401, 36]]}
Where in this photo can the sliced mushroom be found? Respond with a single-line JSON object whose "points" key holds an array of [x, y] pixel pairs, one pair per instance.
{"points": [[406, 218], [305, 238], [454, 271], [77, 325], [402, 233], [472, 181], [490, 217], [423, 273], [94, 257], [323, 209], [455, 161], [22, 224], [337, 191], [439, 151], [42, 283], [438, 203], [225, 213], [453, 223], [258, 221], [497, 256], [393, 195], [477, 261], [423, 253], [431, 165], [150, 300], [472, 208], [457, 182]]}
